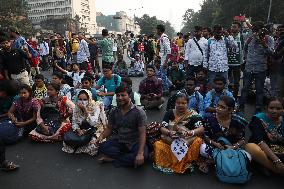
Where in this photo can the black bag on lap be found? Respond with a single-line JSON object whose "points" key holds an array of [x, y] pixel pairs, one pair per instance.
{"points": [[72, 139], [51, 118]]}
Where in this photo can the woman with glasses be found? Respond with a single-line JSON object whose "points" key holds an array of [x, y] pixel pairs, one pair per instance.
{"points": [[222, 124]]}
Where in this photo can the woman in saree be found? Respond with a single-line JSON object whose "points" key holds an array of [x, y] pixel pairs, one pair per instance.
{"points": [[266, 144], [89, 120], [224, 124], [180, 124], [53, 116]]}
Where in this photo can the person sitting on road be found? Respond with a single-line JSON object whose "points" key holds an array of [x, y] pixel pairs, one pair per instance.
{"points": [[120, 67], [177, 77], [184, 124], [53, 116], [76, 74], [266, 144], [212, 97], [87, 83], [39, 88], [127, 147], [151, 90], [109, 82], [166, 82], [65, 89], [196, 101], [135, 97], [88, 121], [138, 67], [201, 81], [23, 111], [8, 92], [222, 124], [6, 165]]}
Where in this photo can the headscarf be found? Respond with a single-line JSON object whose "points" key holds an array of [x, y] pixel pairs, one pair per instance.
{"points": [[95, 109]]}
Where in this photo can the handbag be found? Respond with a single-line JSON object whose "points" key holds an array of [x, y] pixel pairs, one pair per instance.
{"points": [[231, 165], [51, 118], [72, 139], [153, 132]]}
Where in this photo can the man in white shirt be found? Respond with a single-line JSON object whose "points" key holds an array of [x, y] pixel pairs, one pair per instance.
{"points": [[83, 53], [44, 52], [194, 51], [165, 46], [216, 55]]}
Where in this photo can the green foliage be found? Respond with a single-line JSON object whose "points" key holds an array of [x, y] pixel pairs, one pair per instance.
{"points": [[222, 12], [148, 25], [63, 24], [14, 13]]}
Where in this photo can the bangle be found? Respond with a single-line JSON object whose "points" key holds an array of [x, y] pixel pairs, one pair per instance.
{"points": [[192, 133], [278, 161]]}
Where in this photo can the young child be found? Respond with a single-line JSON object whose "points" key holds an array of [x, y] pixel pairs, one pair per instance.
{"points": [[138, 67], [120, 67], [39, 88], [75, 74], [87, 83]]}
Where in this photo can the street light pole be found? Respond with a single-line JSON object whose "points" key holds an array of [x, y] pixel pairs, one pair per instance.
{"points": [[269, 11]]}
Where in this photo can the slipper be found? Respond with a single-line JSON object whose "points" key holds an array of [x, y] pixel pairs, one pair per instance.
{"points": [[9, 166]]}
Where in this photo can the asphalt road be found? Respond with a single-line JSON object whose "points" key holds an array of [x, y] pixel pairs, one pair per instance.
{"points": [[45, 166]]}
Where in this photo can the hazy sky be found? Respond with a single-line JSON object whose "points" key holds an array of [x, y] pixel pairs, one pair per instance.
{"points": [[163, 9]]}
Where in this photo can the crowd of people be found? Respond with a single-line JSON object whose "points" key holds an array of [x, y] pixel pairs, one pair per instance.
{"points": [[92, 109]]}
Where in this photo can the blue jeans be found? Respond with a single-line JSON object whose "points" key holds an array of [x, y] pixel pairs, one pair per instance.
{"points": [[107, 100], [122, 155], [212, 75], [259, 85], [9, 133]]}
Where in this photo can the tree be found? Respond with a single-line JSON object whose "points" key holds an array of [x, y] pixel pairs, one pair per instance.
{"points": [[15, 13], [222, 12], [148, 25]]}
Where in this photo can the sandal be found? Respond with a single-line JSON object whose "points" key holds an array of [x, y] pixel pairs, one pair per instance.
{"points": [[9, 166]]}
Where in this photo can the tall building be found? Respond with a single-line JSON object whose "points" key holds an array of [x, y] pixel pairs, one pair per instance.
{"points": [[120, 22], [41, 10]]}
